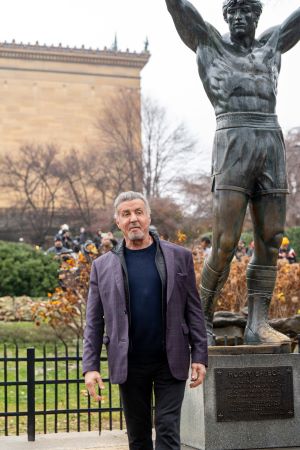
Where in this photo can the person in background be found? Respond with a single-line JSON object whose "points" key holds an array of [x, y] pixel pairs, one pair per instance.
{"points": [[58, 249], [205, 246], [286, 251], [64, 227], [250, 249], [98, 239], [67, 240], [106, 244], [113, 240], [240, 251], [82, 236]]}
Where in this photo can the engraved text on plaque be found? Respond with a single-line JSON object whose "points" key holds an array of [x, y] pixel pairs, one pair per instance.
{"points": [[254, 393]]}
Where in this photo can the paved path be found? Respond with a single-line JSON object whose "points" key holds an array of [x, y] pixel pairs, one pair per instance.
{"points": [[113, 440]]}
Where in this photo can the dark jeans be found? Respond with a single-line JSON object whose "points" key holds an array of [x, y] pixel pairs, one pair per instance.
{"points": [[136, 398]]}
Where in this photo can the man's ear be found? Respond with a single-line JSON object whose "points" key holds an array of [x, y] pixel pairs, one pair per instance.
{"points": [[117, 222]]}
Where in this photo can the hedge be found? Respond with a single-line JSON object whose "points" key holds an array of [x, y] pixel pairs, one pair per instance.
{"points": [[25, 270]]}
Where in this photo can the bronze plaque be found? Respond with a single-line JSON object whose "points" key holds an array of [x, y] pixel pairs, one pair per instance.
{"points": [[255, 393]]}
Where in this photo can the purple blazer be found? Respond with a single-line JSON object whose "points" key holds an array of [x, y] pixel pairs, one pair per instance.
{"points": [[185, 327]]}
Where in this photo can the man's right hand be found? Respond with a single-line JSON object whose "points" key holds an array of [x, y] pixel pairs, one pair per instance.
{"points": [[92, 379]]}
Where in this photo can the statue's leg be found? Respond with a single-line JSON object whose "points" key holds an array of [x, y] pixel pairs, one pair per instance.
{"points": [[268, 215], [229, 208]]}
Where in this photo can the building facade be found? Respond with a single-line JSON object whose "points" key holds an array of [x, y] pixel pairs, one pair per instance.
{"points": [[54, 94]]}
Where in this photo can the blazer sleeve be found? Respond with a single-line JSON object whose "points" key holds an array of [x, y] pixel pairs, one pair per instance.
{"points": [[195, 318], [94, 328]]}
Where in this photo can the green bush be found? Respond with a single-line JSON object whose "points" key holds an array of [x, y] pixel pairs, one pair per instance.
{"points": [[247, 237], [26, 271]]}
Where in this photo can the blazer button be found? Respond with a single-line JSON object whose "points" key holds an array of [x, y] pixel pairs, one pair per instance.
{"points": [[106, 340], [125, 312]]}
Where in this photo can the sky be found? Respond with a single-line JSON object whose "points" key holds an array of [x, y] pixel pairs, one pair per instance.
{"points": [[171, 75]]}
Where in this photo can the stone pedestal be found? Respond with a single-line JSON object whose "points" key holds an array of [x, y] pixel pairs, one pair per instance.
{"points": [[201, 427]]}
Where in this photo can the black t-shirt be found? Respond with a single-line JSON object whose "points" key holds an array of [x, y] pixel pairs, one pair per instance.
{"points": [[146, 307]]}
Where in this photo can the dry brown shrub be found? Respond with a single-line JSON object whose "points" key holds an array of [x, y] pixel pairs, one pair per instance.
{"points": [[286, 297]]}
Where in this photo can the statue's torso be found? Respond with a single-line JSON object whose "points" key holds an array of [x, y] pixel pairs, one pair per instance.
{"points": [[235, 81]]}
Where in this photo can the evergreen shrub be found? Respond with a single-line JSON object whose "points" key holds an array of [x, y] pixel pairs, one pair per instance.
{"points": [[25, 270]]}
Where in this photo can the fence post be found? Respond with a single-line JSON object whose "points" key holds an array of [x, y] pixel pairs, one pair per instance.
{"points": [[30, 394]]}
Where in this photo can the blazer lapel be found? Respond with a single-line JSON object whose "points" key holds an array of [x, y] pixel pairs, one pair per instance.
{"points": [[118, 274], [169, 260]]}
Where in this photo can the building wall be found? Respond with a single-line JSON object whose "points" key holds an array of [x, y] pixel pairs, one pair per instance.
{"points": [[54, 95]]}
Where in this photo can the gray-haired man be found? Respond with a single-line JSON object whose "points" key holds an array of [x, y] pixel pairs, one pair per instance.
{"points": [[145, 292]]}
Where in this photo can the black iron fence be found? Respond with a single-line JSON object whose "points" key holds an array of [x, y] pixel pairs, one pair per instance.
{"points": [[42, 391]]}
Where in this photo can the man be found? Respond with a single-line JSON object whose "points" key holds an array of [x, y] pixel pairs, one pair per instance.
{"points": [[286, 251], [240, 75], [58, 248], [145, 292], [205, 246]]}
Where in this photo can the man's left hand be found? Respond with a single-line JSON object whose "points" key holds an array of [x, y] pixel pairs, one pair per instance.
{"points": [[197, 375]]}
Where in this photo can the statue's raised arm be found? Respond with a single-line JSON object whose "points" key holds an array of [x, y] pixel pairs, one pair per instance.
{"points": [[289, 32], [190, 26]]}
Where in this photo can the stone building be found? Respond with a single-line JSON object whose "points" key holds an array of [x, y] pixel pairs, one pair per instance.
{"points": [[53, 95]]}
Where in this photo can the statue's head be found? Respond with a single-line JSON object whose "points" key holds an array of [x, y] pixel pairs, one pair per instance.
{"points": [[256, 6], [245, 12]]}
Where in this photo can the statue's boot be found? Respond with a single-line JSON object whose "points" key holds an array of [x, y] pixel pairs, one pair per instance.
{"points": [[210, 287], [261, 281]]}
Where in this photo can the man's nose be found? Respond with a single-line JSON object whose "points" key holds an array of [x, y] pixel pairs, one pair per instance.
{"points": [[237, 14], [133, 217]]}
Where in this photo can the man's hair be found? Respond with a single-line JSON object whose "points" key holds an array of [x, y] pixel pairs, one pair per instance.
{"points": [[128, 196], [256, 6]]}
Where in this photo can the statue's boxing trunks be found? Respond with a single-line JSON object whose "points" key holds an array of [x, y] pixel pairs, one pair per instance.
{"points": [[249, 154]]}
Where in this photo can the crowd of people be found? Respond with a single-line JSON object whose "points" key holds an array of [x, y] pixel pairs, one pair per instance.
{"points": [[286, 252], [65, 245]]}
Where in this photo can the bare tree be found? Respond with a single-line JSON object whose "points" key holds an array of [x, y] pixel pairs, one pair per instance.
{"points": [[292, 141], [197, 191], [74, 173], [197, 203], [165, 148], [120, 126], [31, 181], [150, 164]]}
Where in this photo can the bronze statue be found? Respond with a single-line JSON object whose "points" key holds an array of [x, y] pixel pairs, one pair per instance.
{"points": [[240, 75]]}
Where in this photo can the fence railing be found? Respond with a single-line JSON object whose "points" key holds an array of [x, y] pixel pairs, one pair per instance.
{"points": [[42, 392]]}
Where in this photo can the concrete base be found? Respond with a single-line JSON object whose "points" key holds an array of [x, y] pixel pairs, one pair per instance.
{"points": [[200, 429]]}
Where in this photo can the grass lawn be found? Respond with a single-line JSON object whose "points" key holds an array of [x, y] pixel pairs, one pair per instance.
{"points": [[28, 333], [51, 396]]}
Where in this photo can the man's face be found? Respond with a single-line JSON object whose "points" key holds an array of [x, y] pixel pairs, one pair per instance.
{"points": [[133, 220], [58, 244], [241, 19]]}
